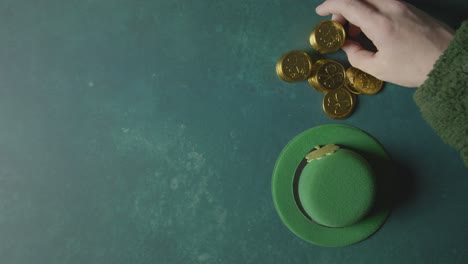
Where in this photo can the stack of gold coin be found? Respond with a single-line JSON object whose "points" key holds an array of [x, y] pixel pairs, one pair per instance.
{"points": [[327, 75], [294, 66], [327, 37], [359, 82]]}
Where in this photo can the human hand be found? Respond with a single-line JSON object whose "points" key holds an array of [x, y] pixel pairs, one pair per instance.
{"points": [[408, 40]]}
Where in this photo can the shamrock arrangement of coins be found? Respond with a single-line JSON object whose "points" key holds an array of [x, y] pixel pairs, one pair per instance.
{"points": [[329, 77]]}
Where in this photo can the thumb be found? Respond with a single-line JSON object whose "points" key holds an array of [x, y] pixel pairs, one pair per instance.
{"points": [[358, 56]]}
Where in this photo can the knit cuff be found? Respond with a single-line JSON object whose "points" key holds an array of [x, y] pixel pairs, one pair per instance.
{"points": [[443, 97]]}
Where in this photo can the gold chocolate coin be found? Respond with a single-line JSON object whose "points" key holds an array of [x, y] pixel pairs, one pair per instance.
{"points": [[312, 81], [349, 84], [327, 37], [339, 103], [294, 66], [365, 83], [351, 88], [327, 75]]}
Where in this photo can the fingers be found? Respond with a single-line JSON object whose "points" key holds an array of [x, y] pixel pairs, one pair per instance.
{"points": [[381, 5], [362, 14], [357, 12], [358, 56], [353, 30], [339, 18]]}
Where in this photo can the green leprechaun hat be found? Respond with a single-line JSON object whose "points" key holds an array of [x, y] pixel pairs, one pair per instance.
{"points": [[331, 185]]}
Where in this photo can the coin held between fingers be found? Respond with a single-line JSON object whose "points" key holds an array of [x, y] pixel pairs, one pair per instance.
{"points": [[327, 37]]}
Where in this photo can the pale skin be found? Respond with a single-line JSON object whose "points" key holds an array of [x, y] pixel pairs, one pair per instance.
{"points": [[408, 40]]}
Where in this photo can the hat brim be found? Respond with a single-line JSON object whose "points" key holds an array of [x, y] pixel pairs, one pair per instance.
{"points": [[284, 175]]}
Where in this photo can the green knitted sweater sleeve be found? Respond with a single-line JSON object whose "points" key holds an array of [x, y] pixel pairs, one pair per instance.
{"points": [[443, 97]]}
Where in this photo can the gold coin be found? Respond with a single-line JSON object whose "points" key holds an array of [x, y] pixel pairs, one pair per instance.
{"points": [[351, 88], [312, 81], [339, 103], [294, 66], [349, 84], [366, 83], [327, 75], [327, 37]]}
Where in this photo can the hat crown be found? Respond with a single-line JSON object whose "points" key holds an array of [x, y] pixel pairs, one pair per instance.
{"points": [[337, 190]]}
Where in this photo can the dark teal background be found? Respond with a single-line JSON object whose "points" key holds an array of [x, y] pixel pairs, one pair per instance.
{"points": [[147, 131]]}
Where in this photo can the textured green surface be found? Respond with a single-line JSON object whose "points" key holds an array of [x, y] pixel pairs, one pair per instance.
{"points": [[146, 131], [290, 159], [337, 190], [443, 98]]}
